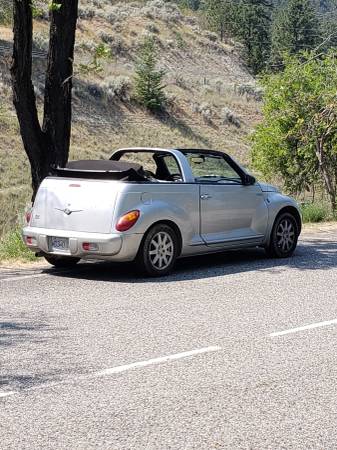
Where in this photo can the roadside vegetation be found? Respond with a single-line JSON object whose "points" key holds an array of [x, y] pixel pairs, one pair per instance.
{"points": [[297, 138], [13, 248], [316, 212]]}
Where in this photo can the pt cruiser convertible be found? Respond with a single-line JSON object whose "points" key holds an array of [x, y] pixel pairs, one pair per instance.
{"points": [[155, 205]]}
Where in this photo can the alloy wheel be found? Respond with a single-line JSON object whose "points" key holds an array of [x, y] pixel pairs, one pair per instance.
{"points": [[285, 235], [161, 250]]}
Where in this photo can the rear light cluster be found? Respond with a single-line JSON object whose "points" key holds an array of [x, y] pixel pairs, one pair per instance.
{"points": [[28, 216], [89, 246], [31, 241], [128, 220]]}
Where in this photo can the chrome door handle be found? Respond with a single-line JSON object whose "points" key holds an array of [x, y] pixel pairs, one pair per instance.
{"points": [[205, 196]]}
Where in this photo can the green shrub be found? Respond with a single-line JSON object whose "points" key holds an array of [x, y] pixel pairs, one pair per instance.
{"points": [[315, 212], [12, 247]]}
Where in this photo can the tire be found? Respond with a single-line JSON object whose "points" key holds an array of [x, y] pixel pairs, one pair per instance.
{"points": [[61, 261], [284, 236], [158, 251]]}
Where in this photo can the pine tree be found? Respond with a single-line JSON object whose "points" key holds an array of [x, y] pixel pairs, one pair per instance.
{"points": [[253, 27], [295, 28], [219, 15], [148, 80]]}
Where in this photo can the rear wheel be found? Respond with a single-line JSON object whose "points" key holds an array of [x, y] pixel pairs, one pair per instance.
{"points": [[61, 261], [284, 236], [158, 251]]}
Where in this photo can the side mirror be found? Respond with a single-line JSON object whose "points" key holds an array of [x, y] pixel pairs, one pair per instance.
{"points": [[248, 180]]}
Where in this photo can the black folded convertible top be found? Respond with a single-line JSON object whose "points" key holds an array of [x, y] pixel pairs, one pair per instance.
{"points": [[107, 169]]}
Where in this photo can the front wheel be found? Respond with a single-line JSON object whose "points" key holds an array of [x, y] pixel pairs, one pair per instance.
{"points": [[284, 236], [158, 251], [61, 261]]}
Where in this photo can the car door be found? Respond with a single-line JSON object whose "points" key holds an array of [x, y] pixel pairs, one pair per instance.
{"points": [[230, 212]]}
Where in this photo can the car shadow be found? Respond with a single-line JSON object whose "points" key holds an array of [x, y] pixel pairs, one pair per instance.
{"points": [[314, 254]]}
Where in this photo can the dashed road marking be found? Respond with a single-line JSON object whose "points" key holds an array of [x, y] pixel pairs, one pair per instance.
{"points": [[7, 394], [118, 369], [150, 362], [305, 327]]}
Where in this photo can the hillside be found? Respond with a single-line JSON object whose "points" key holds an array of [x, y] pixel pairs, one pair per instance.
{"points": [[212, 99]]}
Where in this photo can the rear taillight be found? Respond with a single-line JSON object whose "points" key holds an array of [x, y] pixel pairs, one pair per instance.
{"points": [[128, 220], [28, 216], [31, 240], [89, 246]]}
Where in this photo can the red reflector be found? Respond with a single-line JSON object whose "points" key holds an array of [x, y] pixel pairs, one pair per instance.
{"points": [[128, 220], [29, 240], [28, 216], [89, 246], [74, 185]]}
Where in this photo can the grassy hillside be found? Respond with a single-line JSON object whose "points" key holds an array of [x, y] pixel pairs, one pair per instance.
{"points": [[212, 101]]}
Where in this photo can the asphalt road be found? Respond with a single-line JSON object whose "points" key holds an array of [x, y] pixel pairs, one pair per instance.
{"points": [[69, 341]]}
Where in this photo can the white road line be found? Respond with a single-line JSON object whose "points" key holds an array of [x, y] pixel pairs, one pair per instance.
{"points": [[150, 362], [118, 369], [305, 327], [6, 394]]}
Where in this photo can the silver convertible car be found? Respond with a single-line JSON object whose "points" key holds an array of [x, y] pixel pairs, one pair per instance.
{"points": [[153, 205]]}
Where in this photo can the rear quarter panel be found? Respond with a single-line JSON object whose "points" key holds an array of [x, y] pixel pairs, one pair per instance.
{"points": [[157, 202]]}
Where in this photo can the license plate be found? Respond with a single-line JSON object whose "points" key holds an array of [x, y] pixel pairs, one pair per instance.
{"points": [[59, 244]]}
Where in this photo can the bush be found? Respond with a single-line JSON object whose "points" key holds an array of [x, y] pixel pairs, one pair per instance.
{"points": [[315, 212], [41, 41], [116, 88], [250, 92], [152, 28], [229, 117], [12, 247], [86, 13]]}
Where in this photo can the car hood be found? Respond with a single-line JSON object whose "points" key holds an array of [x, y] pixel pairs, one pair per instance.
{"points": [[268, 187]]}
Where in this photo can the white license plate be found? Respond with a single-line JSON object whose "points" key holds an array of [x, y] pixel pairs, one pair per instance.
{"points": [[59, 244]]}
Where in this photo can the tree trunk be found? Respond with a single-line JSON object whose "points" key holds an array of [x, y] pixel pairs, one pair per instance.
{"points": [[48, 146], [222, 30], [23, 90], [328, 182], [57, 100]]}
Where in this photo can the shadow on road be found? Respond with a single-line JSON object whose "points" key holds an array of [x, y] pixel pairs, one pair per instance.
{"points": [[23, 335], [314, 254], [13, 332]]}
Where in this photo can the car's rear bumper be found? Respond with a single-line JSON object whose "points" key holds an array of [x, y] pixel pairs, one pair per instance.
{"points": [[114, 247]]}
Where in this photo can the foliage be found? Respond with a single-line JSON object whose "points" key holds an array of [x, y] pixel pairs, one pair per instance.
{"points": [[247, 20], [219, 15], [13, 247], [53, 6], [148, 80], [252, 27], [295, 29], [315, 212], [5, 12], [101, 51], [192, 4], [298, 136]]}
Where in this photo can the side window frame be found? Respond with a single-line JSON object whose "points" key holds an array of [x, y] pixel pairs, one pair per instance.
{"points": [[223, 182]]}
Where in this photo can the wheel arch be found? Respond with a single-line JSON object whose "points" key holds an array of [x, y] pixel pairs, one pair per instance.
{"points": [[294, 211], [175, 228]]}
